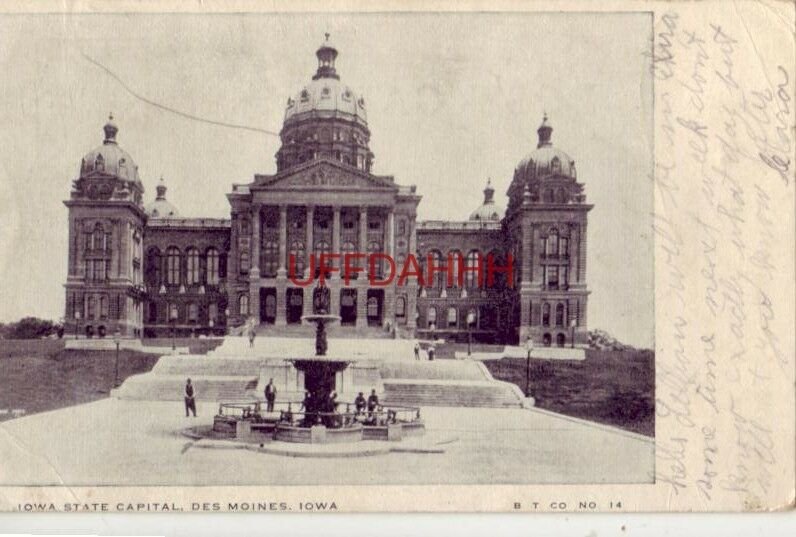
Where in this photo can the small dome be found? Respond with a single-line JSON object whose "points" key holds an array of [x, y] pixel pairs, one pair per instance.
{"points": [[161, 208], [325, 94], [487, 210], [545, 160], [109, 158]]}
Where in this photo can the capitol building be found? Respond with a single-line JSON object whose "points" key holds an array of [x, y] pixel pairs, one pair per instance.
{"points": [[137, 266]]}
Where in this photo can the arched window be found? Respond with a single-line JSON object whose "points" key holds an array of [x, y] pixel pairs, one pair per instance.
{"points": [[90, 307], [152, 267], [270, 258], [560, 314], [546, 314], [174, 313], [552, 242], [299, 257], [244, 262], [471, 276], [212, 266], [98, 238], [439, 276], [192, 265], [548, 195], [243, 305], [173, 266], [99, 163], [472, 318], [555, 165], [244, 225], [561, 196], [455, 260], [193, 312], [400, 307], [453, 317], [373, 307], [431, 316], [212, 312]]}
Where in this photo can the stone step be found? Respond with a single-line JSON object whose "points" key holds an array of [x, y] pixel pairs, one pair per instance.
{"points": [[451, 393], [172, 388], [201, 365]]}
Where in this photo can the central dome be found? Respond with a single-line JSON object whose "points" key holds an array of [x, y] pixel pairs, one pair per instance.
{"points": [[325, 95], [325, 119]]}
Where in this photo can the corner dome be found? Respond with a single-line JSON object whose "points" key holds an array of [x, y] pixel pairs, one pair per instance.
{"points": [[109, 158], [546, 160], [161, 208], [488, 210], [325, 95]]}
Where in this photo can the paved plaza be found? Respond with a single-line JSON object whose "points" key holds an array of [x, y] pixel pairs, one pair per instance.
{"points": [[118, 442]]}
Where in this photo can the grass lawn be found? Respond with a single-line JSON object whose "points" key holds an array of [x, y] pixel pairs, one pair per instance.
{"points": [[612, 387], [38, 374]]}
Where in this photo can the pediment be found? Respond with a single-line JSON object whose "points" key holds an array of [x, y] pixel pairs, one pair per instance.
{"points": [[324, 174]]}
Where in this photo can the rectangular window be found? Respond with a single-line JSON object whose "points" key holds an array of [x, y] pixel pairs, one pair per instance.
{"points": [[212, 311], [565, 277], [552, 277]]}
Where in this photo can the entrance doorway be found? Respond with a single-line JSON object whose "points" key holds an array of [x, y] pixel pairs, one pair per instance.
{"points": [[375, 306], [267, 305], [348, 306], [295, 305]]}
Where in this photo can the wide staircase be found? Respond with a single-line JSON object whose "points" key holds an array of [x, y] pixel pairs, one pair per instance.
{"points": [[446, 383], [404, 392], [232, 371], [306, 331], [213, 379]]}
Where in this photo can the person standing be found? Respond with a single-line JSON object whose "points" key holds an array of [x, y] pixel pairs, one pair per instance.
{"points": [[270, 396], [252, 332], [417, 351], [190, 399], [431, 351], [360, 403]]}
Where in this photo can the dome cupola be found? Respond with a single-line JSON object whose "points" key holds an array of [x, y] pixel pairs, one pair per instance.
{"points": [[326, 55], [108, 171], [487, 210], [161, 208], [548, 173]]}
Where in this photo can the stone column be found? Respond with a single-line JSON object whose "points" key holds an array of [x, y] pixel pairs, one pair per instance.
{"points": [[254, 253], [362, 305], [254, 270], [281, 272], [411, 293], [363, 230], [336, 235], [390, 234], [309, 246], [281, 302], [582, 253], [362, 289]]}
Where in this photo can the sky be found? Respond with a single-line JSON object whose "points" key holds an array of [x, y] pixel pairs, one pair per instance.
{"points": [[453, 99]]}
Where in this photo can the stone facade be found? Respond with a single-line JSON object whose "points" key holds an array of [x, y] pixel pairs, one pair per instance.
{"points": [[147, 271]]}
